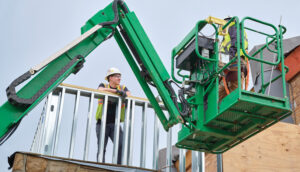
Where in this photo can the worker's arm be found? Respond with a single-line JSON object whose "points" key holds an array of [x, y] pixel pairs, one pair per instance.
{"points": [[102, 88], [127, 92], [107, 89]]}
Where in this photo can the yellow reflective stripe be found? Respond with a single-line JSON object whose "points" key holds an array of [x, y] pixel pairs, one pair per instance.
{"points": [[100, 104], [231, 24], [226, 43], [118, 87]]}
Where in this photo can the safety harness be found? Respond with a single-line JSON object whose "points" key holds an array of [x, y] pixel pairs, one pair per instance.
{"points": [[100, 104]]}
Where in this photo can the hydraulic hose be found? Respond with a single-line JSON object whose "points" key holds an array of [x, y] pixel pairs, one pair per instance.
{"points": [[185, 106], [14, 99], [115, 9]]}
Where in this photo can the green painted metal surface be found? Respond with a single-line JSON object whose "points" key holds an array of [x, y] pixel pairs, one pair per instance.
{"points": [[154, 66]]}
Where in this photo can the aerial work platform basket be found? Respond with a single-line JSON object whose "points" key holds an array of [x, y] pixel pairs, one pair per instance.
{"points": [[216, 124], [240, 117]]}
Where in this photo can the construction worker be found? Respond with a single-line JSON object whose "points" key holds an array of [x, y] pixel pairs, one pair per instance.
{"points": [[229, 49], [113, 77]]}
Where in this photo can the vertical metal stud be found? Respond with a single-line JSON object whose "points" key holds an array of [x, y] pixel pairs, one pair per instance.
{"points": [[117, 133], [182, 153], [126, 133], [58, 122], [88, 128], [219, 163], [143, 137], [202, 160], [51, 126], [44, 125], [131, 134], [74, 125], [195, 160], [102, 130], [169, 151], [155, 143]]}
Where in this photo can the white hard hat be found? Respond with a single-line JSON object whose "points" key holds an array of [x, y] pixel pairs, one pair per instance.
{"points": [[112, 71]]}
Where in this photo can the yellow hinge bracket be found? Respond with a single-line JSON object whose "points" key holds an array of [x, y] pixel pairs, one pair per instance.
{"points": [[219, 22]]}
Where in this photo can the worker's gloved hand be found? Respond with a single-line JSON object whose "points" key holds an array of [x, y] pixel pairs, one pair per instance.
{"points": [[122, 94]]}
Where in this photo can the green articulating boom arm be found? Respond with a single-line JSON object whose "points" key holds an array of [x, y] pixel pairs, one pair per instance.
{"points": [[114, 20]]}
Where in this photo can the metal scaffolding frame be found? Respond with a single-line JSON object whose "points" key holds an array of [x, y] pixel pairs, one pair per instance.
{"points": [[47, 135]]}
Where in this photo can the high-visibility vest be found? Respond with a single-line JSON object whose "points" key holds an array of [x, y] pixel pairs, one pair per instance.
{"points": [[226, 43], [100, 105]]}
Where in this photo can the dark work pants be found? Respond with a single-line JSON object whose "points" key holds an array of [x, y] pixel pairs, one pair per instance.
{"points": [[109, 132]]}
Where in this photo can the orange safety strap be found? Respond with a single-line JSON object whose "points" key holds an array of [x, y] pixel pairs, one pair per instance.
{"points": [[225, 85]]}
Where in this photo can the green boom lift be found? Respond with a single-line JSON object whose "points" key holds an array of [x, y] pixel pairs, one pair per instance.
{"points": [[208, 124]]}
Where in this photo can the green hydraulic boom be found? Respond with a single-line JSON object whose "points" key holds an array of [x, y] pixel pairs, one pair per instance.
{"points": [[208, 124]]}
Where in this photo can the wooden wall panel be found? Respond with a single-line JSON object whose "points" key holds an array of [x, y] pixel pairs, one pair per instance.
{"points": [[276, 149], [210, 162]]}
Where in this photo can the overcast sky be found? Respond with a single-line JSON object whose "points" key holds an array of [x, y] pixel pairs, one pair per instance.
{"points": [[32, 30]]}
